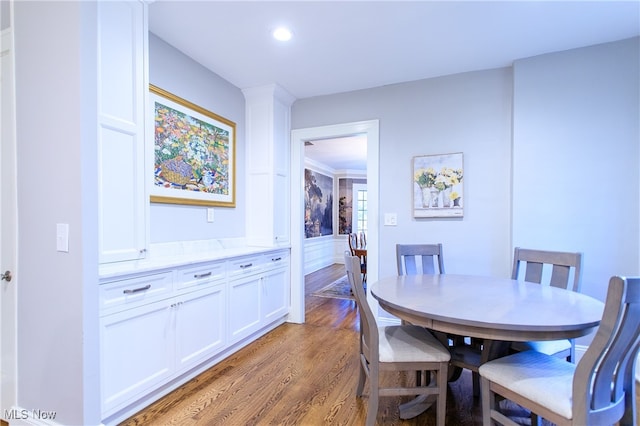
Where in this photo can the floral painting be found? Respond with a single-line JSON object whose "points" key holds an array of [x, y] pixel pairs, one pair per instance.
{"points": [[193, 153], [437, 185], [318, 204]]}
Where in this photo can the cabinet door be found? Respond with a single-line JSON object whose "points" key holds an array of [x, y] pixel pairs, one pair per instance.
{"points": [[137, 353], [122, 40], [200, 325], [244, 307], [275, 295]]}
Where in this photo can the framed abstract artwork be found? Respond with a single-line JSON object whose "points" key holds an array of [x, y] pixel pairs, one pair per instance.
{"points": [[437, 185], [192, 152]]}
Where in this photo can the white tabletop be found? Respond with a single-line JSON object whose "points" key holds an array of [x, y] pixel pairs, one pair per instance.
{"points": [[489, 308]]}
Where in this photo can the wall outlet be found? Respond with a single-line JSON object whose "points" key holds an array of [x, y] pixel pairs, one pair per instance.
{"points": [[210, 215]]}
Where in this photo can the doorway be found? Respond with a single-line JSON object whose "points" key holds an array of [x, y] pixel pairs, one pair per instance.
{"points": [[298, 138]]}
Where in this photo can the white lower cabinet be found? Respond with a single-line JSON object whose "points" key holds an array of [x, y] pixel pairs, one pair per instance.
{"points": [[275, 287], [200, 326], [137, 353], [244, 296], [161, 326]]}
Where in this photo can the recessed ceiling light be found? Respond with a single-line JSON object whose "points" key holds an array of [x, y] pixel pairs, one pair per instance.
{"points": [[282, 34]]}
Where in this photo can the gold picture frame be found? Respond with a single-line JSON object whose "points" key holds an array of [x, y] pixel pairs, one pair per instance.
{"points": [[191, 152], [438, 185]]}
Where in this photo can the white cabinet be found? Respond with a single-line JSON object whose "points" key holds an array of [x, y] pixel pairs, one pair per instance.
{"points": [[161, 326], [275, 287], [200, 325], [268, 125], [244, 298], [261, 295], [122, 86], [137, 353]]}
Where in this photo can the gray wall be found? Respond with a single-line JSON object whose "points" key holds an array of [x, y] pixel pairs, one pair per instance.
{"points": [[566, 180], [175, 72], [576, 157], [56, 119], [467, 113]]}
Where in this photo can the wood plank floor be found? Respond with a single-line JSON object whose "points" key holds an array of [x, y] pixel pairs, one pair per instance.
{"points": [[299, 374]]}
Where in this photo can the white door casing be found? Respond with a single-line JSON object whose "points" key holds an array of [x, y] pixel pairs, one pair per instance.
{"points": [[8, 227], [368, 128]]}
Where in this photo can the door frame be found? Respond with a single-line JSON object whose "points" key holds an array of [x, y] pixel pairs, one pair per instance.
{"points": [[8, 224], [368, 128]]}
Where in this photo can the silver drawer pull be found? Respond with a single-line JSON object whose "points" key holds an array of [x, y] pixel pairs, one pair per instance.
{"points": [[136, 290], [205, 275], [248, 265], [276, 259]]}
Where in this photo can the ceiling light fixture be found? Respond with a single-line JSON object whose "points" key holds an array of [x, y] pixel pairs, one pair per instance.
{"points": [[282, 34]]}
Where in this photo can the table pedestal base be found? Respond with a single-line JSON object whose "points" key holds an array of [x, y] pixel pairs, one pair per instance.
{"points": [[416, 406]]}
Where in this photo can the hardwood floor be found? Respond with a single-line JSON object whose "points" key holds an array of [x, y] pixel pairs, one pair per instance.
{"points": [[299, 374]]}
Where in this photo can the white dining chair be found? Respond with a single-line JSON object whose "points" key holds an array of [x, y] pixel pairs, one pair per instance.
{"points": [[395, 348], [599, 390]]}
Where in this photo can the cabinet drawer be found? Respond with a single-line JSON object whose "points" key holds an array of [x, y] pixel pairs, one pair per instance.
{"points": [[245, 265], [278, 259], [201, 275], [131, 292]]}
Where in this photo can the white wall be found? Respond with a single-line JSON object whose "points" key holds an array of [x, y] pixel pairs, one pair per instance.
{"points": [[576, 158], [467, 113], [175, 72]]}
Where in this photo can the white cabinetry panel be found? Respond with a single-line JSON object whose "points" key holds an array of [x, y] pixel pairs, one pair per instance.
{"points": [[200, 325], [275, 286], [162, 326], [244, 302], [122, 86], [137, 353]]}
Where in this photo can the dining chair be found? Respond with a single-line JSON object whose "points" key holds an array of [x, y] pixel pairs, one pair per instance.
{"points": [[415, 259], [395, 348], [599, 390], [412, 259], [358, 249], [555, 268]]}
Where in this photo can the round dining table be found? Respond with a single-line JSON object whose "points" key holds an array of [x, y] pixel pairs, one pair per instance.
{"points": [[497, 310]]}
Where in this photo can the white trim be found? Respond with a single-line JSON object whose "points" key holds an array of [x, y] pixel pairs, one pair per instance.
{"points": [[298, 137]]}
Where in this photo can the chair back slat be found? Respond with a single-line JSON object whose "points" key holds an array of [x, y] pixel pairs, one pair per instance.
{"points": [[368, 327], [533, 272], [604, 376], [561, 264], [430, 255]]}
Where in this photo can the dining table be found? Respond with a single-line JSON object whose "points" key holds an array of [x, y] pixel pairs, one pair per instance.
{"points": [[496, 310]]}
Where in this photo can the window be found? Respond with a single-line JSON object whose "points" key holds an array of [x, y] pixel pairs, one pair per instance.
{"points": [[360, 223]]}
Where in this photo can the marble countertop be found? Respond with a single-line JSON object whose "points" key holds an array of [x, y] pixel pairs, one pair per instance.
{"points": [[163, 256]]}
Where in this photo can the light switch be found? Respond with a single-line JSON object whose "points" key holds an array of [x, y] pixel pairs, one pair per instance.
{"points": [[210, 215], [390, 219], [62, 237]]}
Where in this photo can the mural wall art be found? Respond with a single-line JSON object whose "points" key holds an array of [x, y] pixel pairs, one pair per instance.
{"points": [[318, 204]]}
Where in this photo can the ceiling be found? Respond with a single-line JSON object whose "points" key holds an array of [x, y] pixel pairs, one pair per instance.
{"points": [[340, 46]]}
